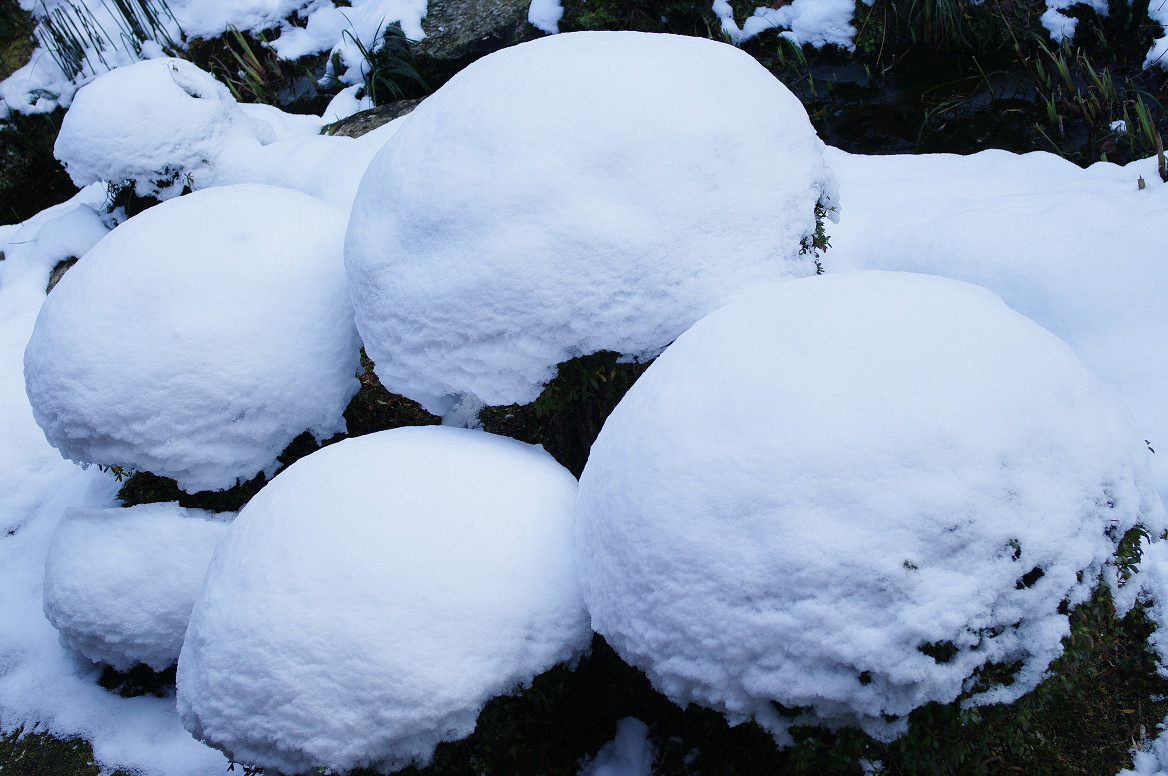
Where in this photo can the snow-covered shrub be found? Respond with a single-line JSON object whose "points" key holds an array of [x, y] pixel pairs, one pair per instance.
{"points": [[370, 600], [120, 583], [197, 339], [159, 123], [581, 192], [840, 498]]}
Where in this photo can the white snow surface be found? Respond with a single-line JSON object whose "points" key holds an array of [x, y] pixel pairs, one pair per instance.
{"points": [[581, 192], [160, 123], [890, 456], [197, 339], [1075, 250], [42, 684], [545, 15], [164, 124], [630, 753], [120, 583], [816, 23], [369, 601]]}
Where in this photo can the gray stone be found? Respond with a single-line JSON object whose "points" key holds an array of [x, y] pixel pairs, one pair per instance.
{"points": [[460, 31], [366, 121]]}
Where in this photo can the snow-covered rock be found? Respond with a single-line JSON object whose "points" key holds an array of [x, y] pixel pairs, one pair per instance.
{"points": [[197, 339], [581, 192], [161, 123], [370, 600], [120, 583], [848, 494]]}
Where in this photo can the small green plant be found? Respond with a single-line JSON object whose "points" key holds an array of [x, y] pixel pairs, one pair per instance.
{"points": [[389, 71], [815, 245]]}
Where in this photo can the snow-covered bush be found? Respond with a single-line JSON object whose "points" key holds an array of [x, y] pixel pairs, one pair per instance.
{"points": [[120, 583], [197, 339], [370, 600], [840, 498], [581, 192], [159, 123]]}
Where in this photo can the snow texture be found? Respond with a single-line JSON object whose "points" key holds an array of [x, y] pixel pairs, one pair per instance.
{"points": [[1074, 250], [629, 754], [581, 192], [817, 23], [545, 15], [194, 351], [369, 601], [160, 123], [929, 472], [120, 583], [43, 685]]}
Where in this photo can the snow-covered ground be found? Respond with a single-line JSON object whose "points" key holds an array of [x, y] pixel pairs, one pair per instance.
{"points": [[1074, 250]]}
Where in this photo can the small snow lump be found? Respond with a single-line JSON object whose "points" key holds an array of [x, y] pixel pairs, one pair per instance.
{"points": [[372, 598], [846, 495], [198, 338], [120, 583], [159, 123], [581, 192]]}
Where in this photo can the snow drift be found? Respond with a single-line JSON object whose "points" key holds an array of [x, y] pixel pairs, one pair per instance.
{"points": [[581, 192], [199, 352], [120, 583], [370, 600], [847, 495]]}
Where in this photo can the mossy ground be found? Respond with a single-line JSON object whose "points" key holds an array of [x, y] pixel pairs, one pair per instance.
{"points": [[40, 754]]}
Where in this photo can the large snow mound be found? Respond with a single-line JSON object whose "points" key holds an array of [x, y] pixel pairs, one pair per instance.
{"points": [[161, 123], [120, 583], [197, 339], [580, 192], [370, 600], [848, 494]]}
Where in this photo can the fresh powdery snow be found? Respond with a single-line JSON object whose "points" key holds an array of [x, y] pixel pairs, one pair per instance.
{"points": [[120, 583], [1077, 251], [197, 339], [164, 124], [368, 602], [630, 753], [159, 123], [847, 494], [582, 192]]}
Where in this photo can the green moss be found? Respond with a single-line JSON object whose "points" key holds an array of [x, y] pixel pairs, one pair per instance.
{"points": [[568, 415], [40, 754]]}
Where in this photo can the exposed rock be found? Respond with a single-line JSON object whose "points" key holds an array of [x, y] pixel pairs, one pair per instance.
{"points": [[366, 121], [460, 31], [58, 271]]}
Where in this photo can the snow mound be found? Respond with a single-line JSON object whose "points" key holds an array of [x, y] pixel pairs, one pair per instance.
{"points": [[120, 583], [370, 600], [161, 123], [847, 495], [582, 192], [630, 753], [197, 339]]}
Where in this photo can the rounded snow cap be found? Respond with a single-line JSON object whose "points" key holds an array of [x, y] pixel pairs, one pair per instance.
{"points": [[120, 583], [369, 601], [581, 192], [197, 339], [154, 122], [847, 495]]}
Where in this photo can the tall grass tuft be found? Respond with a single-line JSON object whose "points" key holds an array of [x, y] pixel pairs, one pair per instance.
{"points": [[75, 37]]}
